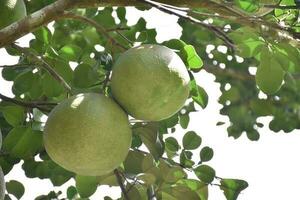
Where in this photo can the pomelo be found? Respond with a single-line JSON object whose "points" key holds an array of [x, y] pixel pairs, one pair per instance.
{"points": [[88, 134], [2, 185], [11, 11], [150, 82]]}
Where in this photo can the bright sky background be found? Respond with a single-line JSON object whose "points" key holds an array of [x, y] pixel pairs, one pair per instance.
{"points": [[271, 165]]}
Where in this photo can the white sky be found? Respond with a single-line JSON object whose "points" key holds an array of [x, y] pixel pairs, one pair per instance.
{"points": [[271, 165]]}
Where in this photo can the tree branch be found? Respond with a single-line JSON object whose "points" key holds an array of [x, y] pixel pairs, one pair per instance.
{"points": [[93, 23], [44, 64], [38, 105], [120, 182], [53, 11], [282, 7], [219, 33]]}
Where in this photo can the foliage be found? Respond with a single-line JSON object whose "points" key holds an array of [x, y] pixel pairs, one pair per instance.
{"points": [[158, 163]]}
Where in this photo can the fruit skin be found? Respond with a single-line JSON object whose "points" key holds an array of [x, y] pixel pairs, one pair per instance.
{"points": [[2, 185], [11, 11], [88, 134], [150, 82]]}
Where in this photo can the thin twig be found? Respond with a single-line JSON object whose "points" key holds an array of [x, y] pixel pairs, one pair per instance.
{"points": [[117, 29], [99, 28], [282, 7], [219, 33], [42, 63], [131, 43], [26, 104], [120, 182]]}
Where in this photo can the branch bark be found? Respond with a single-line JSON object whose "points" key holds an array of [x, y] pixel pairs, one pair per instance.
{"points": [[55, 11], [121, 184], [27, 104]]}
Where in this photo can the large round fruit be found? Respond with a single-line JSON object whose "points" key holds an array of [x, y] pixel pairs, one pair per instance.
{"points": [[11, 11], [2, 185], [88, 134], [150, 82]]}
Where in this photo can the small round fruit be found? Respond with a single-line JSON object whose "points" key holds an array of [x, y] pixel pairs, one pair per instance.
{"points": [[88, 134], [11, 11], [2, 185], [150, 82]]}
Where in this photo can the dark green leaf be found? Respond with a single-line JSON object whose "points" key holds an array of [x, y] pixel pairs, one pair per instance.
{"points": [[23, 142], [172, 144], [269, 75], [198, 93], [86, 185], [15, 188], [70, 52], [191, 140], [206, 154], [205, 173], [175, 44], [14, 115], [150, 136], [232, 188], [71, 192]]}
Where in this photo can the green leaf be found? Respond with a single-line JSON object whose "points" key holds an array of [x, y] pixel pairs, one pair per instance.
{"points": [[133, 162], [253, 135], [199, 187], [137, 192], [172, 144], [175, 44], [248, 5], [150, 136], [46, 169], [269, 75], [261, 107], [171, 174], [15, 188], [108, 179], [70, 52], [198, 93], [186, 159], [84, 76], [191, 140], [86, 185], [71, 192], [23, 83], [147, 178], [14, 115], [23, 142], [248, 42], [43, 34], [179, 192], [142, 36], [184, 120], [193, 61], [232, 188], [206, 154], [205, 173]]}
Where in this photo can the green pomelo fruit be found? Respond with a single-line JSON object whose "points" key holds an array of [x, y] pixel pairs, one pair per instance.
{"points": [[11, 11], [2, 185], [88, 134], [150, 82]]}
